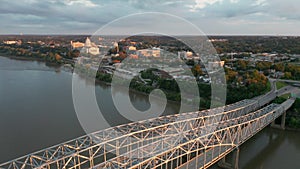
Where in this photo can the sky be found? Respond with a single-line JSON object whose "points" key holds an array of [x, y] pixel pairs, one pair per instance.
{"points": [[213, 17]]}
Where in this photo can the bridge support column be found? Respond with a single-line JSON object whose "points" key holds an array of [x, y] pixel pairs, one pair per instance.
{"points": [[282, 125], [234, 163], [283, 117]]}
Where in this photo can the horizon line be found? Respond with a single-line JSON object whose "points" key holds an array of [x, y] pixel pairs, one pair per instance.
{"points": [[78, 34]]}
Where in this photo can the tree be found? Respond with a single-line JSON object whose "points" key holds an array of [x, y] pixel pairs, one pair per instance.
{"points": [[242, 64], [279, 67], [74, 54], [122, 55], [190, 62], [263, 65], [288, 75], [197, 71], [231, 75], [57, 57]]}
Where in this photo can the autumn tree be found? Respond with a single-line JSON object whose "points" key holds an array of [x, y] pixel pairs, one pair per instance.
{"points": [[279, 67], [197, 71]]}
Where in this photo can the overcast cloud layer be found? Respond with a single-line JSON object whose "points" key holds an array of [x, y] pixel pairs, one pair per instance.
{"points": [[247, 17]]}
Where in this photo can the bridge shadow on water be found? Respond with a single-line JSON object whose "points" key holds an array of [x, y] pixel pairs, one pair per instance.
{"points": [[254, 152], [270, 149], [259, 155]]}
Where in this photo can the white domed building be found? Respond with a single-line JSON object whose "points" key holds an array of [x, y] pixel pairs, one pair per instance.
{"points": [[91, 48]]}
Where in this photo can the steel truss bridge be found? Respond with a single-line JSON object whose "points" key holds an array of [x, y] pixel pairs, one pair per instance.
{"points": [[187, 140]]}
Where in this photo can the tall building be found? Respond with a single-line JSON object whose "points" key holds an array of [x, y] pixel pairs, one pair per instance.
{"points": [[88, 47], [91, 48], [88, 42], [116, 45]]}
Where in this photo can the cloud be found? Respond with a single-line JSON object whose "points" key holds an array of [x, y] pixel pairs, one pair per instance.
{"points": [[87, 3], [260, 3], [234, 1], [200, 4], [86, 16]]}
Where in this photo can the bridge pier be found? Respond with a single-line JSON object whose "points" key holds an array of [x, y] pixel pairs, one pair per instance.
{"points": [[282, 124], [234, 163]]}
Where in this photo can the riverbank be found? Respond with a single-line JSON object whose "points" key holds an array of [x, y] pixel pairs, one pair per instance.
{"points": [[98, 81], [26, 58], [292, 129], [22, 57]]}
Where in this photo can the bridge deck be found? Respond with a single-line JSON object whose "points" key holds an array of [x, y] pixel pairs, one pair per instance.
{"points": [[160, 141]]}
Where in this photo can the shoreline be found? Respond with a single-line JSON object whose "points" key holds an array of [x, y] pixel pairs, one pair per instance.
{"points": [[22, 58], [98, 82], [292, 129]]}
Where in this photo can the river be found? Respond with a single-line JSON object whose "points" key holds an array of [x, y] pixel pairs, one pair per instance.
{"points": [[37, 111]]}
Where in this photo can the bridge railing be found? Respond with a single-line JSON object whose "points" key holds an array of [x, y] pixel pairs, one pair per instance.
{"points": [[104, 143], [244, 132], [53, 154], [122, 161], [167, 142]]}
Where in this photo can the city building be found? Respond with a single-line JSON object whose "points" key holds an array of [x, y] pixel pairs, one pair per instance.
{"points": [[217, 40], [154, 52], [131, 50], [76, 45], [116, 45], [87, 47], [185, 55], [90, 48], [215, 65], [12, 42], [133, 56]]}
